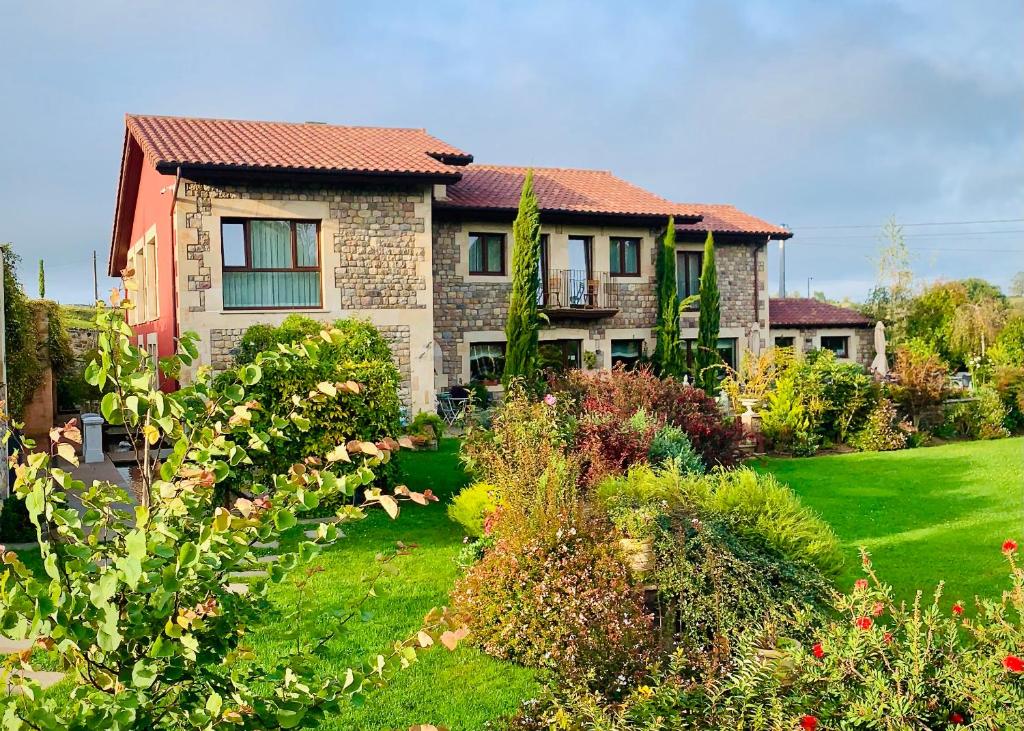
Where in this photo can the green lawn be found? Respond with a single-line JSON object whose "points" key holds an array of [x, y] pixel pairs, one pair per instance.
{"points": [[459, 690], [924, 514]]}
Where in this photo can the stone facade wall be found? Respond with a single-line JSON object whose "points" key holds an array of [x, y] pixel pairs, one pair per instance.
{"points": [[372, 228], [460, 306], [866, 346], [862, 340], [398, 338], [224, 344], [82, 341]]}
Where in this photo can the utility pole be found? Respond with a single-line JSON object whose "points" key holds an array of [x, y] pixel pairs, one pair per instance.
{"points": [[809, 287], [95, 280]]}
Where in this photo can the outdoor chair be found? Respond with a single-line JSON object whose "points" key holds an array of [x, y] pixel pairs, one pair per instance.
{"points": [[451, 408]]}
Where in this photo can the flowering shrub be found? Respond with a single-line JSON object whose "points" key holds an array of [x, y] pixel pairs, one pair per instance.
{"points": [[565, 603], [873, 663], [883, 432], [672, 444]]}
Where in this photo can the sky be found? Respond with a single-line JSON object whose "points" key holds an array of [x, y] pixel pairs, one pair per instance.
{"points": [[828, 117]]}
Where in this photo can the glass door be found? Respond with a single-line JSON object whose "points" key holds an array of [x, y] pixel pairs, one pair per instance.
{"points": [[560, 355], [579, 273]]}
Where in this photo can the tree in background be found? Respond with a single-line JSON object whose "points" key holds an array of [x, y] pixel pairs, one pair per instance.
{"points": [[1017, 285], [42, 280], [668, 357], [890, 299], [706, 359], [523, 318], [975, 326], [24, 368]]}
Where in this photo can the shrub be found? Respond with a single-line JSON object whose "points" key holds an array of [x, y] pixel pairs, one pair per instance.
{"points": [[566, 605], [670, 443], [426, 424], [338, 413], [919, 382], [609, 445], [983, 417], [837, 396], [883, 432], [149, 621], [15, 526], [715, 438], [471, 507], [1008, 381], [869, 663], [784, 420], [1008, 349], [752, 504]]}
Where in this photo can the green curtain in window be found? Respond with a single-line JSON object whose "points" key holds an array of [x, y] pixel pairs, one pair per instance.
{"points": [[305, 238], [271, 244], [632, 254], [476, 254]]}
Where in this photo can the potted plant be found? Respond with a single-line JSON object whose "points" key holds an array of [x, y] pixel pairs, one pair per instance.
{"points": [[425, 430]]}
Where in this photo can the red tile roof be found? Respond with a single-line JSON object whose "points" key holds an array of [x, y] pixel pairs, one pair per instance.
{"points": [[497, 187], [800, 311], [224, 143], [720, 218]]}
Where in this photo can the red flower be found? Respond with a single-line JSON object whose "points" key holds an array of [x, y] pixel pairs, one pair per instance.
{"points": [[1009, 545], [808, 723], [818, 650], [887, 637], [860, 584], [864, 622], [955, 718], [878, 609], [958, 608], [1013, 663]]}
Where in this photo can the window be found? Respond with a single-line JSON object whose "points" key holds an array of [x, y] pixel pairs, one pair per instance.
{"points": [[559, 355], [688, 266], [785, 342], [270, 264], [542, 272], [625, 257], [627, 353], [486, 362], [838, 344], [152, 311], [726, 351], [487, 254]]}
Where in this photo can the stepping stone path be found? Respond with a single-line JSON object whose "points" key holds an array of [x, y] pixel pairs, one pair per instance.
{"points": [[45, 678], [271, 544], [240, 589], [312, 532]]}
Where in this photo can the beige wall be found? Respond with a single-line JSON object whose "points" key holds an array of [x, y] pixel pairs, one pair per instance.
{"points": [[809, 338], [199, 265]]}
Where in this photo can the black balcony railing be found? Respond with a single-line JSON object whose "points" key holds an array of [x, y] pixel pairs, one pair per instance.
{"points": [[568, 291]]}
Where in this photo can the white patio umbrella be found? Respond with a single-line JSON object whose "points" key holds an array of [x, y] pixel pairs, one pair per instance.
{"points": [[880, 366]]}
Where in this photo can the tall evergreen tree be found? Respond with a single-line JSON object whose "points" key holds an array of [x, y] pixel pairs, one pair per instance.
{"points": [[668, 354], [42, 280], [523, 322], [706, 357]]}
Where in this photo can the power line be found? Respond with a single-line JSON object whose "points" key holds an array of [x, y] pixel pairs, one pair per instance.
{"points": [[937, 235], [826, 245], [905, 225]]}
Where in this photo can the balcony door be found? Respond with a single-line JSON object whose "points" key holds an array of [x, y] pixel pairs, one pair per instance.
{"points": [[580, 269], [560, 355]]}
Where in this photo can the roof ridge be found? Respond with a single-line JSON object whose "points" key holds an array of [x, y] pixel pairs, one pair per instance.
{"points": [[133, 116], [490, 166]]}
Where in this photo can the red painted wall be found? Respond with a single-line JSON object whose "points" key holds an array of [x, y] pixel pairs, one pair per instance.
{"points": [[154, 208]]}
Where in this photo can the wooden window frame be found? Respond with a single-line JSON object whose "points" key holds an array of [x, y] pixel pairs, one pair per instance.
{"points": [[481, 235], [622, 255], [686, 273], [248, 268]]}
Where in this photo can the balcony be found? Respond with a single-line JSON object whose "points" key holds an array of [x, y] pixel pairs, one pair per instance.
{"points": [[577, 294]]}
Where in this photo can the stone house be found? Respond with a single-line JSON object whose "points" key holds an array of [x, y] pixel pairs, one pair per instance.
{"points": [[810, 324], [220, 224]]}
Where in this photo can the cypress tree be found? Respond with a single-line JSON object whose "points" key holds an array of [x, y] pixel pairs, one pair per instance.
{"points": [[706, 357], [523, 317], [668, 354], [42, 280]]}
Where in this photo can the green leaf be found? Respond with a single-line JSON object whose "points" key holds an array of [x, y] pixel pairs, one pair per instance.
{"points": [[104, 588], [187, 554], [162, 647], [235, 392], [108, 406], [143, 674], [135, 541], [251, 374], [284, 519], [214, 704], [289, 718]]}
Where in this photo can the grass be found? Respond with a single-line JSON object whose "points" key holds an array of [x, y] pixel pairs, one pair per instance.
{"points": [[926, 515], [459, 690]]}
